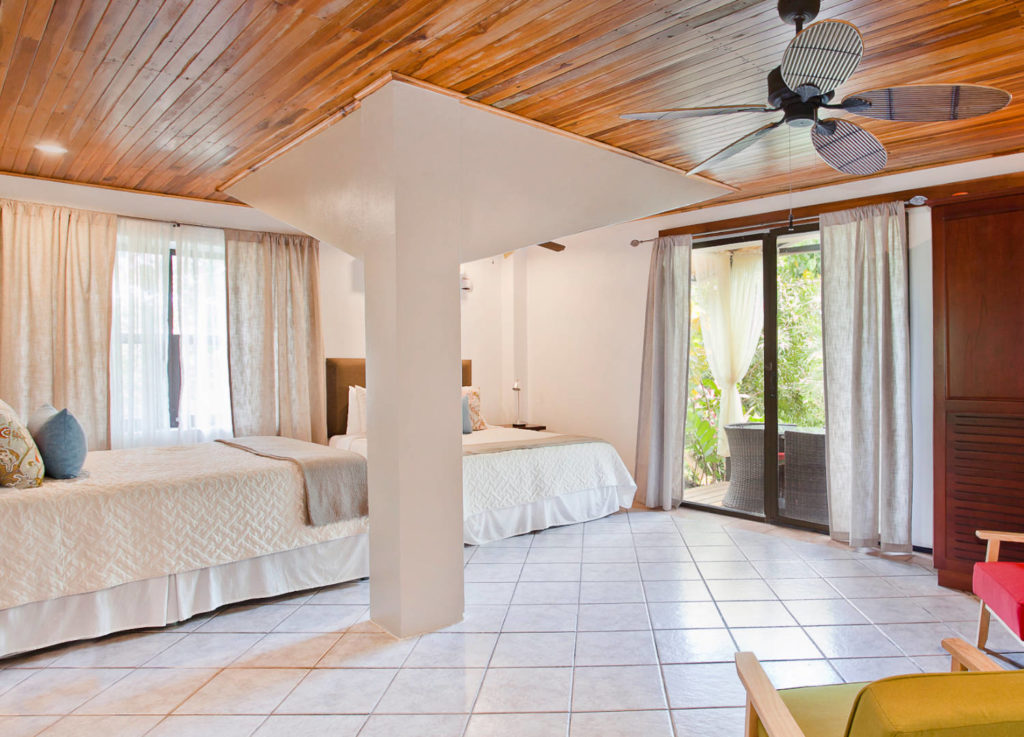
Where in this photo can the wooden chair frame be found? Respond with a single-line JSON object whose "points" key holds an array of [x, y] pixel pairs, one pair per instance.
{"points": [[766, 708], [995, 540]]}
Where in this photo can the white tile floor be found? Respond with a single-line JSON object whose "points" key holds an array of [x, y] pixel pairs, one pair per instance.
{"points": [[622, 626]]}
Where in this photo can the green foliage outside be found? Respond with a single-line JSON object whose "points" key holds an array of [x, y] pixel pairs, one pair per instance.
{"points": [[801, 377]]}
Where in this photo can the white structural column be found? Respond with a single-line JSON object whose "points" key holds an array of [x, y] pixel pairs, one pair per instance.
{"points": [[413, 366], [414, 182]]}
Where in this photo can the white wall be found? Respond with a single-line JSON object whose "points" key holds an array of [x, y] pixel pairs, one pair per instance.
{"points": [[342, 303], [343, 307], [482, 335], [586, 323], [922, 377]]}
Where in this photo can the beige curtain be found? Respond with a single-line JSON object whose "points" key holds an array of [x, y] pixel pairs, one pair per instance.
{"points": [[56, 267], [275, 341], [660, 441], [728, 289], [865, 325]]}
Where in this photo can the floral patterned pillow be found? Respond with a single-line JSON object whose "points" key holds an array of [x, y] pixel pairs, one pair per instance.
{"points": [[479, 423], [21, 466]]}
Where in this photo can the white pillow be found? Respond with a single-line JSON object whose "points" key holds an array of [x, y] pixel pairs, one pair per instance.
{"points": [[356, 424]]}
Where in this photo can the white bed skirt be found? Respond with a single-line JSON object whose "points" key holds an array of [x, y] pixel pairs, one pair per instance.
{"points": [[567, 509], [156, 602]]}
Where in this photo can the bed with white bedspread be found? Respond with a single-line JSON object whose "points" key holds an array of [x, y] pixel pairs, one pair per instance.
{"points": [[148, 536], [517, 490]]}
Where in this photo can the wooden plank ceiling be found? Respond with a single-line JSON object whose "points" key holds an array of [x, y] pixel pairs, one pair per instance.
{"points": [[177, 96]]}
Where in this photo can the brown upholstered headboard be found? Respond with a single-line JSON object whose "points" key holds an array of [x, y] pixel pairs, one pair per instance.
{"points": [[345, 372]]}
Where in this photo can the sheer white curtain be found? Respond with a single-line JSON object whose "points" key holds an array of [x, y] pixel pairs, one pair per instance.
{"points": [[865, 325], [728, 290], [55, 270], [147, 312], [201, 316], [140, 332], [661, 430]]}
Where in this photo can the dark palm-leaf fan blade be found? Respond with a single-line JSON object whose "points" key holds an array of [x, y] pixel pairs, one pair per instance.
{"points": [[552, 246], [822, 57], [925, 103], [848, 148], [697, 112], [735, 147]]}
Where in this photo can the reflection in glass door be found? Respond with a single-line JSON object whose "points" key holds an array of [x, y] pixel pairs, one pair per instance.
{"points": [[800, 383], [755, 414]]}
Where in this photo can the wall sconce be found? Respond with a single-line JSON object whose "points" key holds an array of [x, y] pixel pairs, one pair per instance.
{"points": [[519, 418]]}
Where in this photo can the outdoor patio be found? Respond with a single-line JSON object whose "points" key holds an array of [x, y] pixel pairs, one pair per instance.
{"points": [[710, 495]]}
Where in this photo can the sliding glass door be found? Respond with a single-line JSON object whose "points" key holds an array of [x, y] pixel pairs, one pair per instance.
{"points": [[755, 414], [725, 378], [800, 384]]}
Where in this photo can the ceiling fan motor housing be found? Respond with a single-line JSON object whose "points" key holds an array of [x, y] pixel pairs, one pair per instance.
{"points": [[798, 12], [799, 113]]}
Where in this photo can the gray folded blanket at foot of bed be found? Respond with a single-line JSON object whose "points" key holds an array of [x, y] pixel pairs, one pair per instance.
{"points": [[335, 479]]}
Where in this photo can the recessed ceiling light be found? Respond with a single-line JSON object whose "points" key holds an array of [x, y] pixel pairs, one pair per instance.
{"points": [[51, 148]]}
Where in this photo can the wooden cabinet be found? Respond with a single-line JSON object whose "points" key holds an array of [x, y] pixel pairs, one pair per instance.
{"points": [[978, 272]]}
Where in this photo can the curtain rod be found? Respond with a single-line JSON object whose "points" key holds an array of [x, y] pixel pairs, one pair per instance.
{"points": [[176, 224], [915, 201]]}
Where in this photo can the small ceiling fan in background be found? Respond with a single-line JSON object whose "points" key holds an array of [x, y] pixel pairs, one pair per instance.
{"points": [[818, 60], [550, 245]]}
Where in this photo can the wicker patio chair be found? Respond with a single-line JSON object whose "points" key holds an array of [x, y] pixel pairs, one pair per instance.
{"points": [[746, 482], [805, 493]]}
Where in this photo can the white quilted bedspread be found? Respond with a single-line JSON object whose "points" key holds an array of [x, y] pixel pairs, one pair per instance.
{"points": [[146, 512], [493, 481]]}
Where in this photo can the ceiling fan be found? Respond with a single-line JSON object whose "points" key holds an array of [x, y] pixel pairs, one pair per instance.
{"points": [[550, 245], [820, 58]]}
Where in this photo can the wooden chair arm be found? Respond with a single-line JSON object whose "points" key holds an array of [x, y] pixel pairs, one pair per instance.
{"points": [[765, 700], [995, 538], [968, 657], [1006, 537]]}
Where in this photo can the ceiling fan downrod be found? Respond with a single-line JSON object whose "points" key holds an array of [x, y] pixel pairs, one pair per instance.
{"points": [[799, 12]]}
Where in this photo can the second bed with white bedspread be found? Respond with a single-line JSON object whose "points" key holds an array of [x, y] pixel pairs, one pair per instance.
{"points": [[533, 487]]}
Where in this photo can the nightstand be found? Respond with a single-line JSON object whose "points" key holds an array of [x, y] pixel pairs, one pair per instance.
{"points": [[528, 426]]}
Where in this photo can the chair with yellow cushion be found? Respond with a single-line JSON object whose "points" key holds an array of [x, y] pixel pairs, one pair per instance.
{"points": [[986, 701]]}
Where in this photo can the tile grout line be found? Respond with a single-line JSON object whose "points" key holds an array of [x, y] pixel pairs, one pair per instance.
{"points": [[501, 628], [654, 640], [576, 633]]}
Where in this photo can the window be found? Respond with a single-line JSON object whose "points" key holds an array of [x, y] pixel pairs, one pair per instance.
{"points": [[173, 348], [168, 363]]}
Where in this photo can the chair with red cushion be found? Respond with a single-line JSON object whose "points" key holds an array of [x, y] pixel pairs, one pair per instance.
{"points": [[1000, 586]]}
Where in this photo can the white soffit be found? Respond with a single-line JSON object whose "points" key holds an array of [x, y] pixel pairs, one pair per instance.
{"points": [[518, 182], [139, 204]]}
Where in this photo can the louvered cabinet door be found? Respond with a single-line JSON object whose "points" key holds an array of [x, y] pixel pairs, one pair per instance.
{"points": [[978, 264]]}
